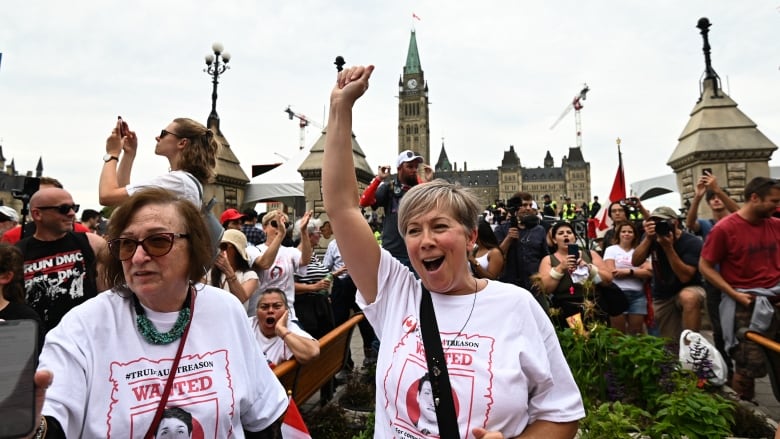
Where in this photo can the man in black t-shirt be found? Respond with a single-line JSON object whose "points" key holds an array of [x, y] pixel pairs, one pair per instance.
{"points": [[678, 295], [60, 267]]}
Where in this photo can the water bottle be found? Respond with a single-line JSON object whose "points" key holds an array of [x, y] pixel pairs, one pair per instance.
{"points": [[326, 291]]}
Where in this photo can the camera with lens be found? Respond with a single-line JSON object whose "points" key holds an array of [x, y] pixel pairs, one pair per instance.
{"points": [[29, 186], [629, 202], [663, 227]]}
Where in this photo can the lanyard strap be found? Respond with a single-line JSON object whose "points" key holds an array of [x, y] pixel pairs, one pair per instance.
{"points": [[437, 369], [169, 383]]}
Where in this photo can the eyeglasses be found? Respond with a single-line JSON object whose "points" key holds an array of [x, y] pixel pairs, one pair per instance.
{"points": [[158, 244], [164, 133], [64, 209], [265, 306]]}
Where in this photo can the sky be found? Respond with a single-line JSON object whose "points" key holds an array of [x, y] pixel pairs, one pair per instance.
{"points": [[499, 72]]}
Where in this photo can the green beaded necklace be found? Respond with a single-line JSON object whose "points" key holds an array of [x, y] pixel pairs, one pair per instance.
{"points": [[150, 333]]}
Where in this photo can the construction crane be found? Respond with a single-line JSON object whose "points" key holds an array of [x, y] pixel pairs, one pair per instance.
{"points": [[575, 104], [303, 122]]}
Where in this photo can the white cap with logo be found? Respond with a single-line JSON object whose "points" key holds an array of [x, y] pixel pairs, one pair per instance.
{"points": [[407, 156]]}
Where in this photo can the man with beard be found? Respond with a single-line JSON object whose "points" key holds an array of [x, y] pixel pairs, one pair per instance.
{"points": [[387, 195], [746, 247], [522, 240], [278, 341]]}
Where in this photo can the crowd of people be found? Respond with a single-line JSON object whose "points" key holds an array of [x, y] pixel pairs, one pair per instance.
{"points": [[200, 334]]}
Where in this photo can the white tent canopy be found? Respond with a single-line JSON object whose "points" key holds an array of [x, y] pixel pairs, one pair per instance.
{"points": [[283, 183]]}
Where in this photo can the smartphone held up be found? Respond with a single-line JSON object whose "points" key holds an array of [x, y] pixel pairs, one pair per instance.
{"points": [[19, 345], [122, 125]]}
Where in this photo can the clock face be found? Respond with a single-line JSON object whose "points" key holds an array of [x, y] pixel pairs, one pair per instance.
{"points": [[412, 84]]}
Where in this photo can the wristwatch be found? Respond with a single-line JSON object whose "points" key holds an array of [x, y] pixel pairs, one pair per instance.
{"points": [[108, 157]]}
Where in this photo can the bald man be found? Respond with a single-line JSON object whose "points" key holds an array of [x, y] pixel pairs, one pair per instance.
{"points": [[60, 265]]}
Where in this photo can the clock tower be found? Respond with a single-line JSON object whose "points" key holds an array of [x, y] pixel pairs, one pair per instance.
{"points": [[413, 120]]}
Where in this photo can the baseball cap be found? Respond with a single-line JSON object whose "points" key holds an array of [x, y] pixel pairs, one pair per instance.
{"points": [[663, 212], [230, 215], [407, 156], [237, 239], [8, 214]]}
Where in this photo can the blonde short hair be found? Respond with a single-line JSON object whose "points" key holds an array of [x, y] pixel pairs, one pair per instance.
{"points": [[439, 194]]}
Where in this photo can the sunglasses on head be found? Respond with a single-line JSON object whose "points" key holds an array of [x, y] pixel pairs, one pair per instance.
{"points": [[62, 208], [164, 133], [158, 244]]}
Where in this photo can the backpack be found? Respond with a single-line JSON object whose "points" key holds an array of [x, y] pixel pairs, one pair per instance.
{"points": [[213, 226]]}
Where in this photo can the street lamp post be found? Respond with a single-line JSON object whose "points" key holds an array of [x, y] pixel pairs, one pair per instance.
{"points": [[215, 68]]}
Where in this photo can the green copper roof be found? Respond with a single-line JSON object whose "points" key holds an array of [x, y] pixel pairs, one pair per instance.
{"points": [[412, 57]]}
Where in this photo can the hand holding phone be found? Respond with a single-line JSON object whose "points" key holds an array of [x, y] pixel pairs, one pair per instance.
{"points": [[122, 125], [706, 171], [574, 250], [19, 344]]}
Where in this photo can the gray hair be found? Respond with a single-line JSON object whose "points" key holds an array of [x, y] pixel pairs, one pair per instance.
{"points": [[441, 195], [313, 226]]}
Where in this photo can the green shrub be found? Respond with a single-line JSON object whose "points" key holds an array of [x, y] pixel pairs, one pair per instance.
{"points": [[635, 384]]}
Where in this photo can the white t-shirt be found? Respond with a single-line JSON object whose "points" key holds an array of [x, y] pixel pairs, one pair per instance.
{"points": [[505, 364], [281, 274], [241, 276], [274, 348], [108, 378], [180, 182], [622, 259]]}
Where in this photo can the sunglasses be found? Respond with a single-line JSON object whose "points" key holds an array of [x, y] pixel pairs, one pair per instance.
{"points": [[64, 209], [275, 224], [164, 133], [158, 244]]}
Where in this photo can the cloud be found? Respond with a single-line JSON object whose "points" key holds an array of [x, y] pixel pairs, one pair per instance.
{"points": [[500, 73]]}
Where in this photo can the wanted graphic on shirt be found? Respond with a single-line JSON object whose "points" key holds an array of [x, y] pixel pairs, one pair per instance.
{"points": [[201, 387], [410, 399]]}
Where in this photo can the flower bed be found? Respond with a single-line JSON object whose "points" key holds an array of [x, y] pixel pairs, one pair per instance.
{"points": [[634, 386]]}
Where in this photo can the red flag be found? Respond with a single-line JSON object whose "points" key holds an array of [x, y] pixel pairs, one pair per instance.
{"points": [[618, 192], [293, 426], [415, 16]]}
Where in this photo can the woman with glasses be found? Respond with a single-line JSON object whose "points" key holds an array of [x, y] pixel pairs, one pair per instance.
{"points": [[191, 150], [231, 270], [280, 339], [157, 339]]}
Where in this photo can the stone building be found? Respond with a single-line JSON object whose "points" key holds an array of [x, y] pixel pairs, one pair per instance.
{"points": [[571, 178], [718, 136], [11, 181]]}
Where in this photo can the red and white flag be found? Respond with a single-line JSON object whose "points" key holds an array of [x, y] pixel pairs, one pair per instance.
{"points": [[415, 16], [293, 426], [618, 192]]}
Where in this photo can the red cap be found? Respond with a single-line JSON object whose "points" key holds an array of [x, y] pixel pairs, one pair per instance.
{"points": [[230, 215]]}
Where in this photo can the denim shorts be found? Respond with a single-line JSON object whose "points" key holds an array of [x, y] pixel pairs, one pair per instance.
{"points": [[637, 302]]}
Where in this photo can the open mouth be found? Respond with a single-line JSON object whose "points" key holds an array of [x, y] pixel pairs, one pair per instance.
{"points": [[433, 264], [566, 240], [270, 320]]}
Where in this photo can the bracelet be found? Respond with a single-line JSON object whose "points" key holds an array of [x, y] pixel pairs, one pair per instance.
{"points": [[555, 274], [286, 334], [40, 433], [231, 278], [631, 272]]}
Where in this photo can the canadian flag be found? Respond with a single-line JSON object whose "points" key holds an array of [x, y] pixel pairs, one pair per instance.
{"points": [[293, 426], [618, 192]]}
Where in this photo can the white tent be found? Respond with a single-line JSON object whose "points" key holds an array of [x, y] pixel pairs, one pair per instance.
{"points": [[283, 183]]}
